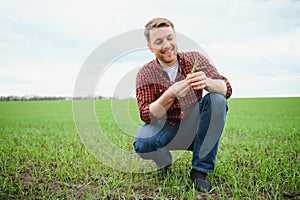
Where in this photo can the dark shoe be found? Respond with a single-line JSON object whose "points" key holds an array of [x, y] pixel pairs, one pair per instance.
{"points": [[200, 180]]}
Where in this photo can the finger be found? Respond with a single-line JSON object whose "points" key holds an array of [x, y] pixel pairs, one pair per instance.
{"points": [[202, 82], [191, 76], [197, 74], [196, 80], [199, 85], [183, 84]]}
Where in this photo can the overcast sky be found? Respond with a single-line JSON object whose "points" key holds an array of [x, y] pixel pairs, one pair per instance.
{"points": [[43, 44]]}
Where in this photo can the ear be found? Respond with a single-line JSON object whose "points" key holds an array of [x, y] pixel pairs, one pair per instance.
{"points": [[149, 47]]}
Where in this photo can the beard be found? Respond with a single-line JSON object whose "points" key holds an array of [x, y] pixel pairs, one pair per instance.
{"points": [[167, 56]]}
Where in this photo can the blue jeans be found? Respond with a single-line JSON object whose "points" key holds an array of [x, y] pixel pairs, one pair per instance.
{"points": [[199, 132]]}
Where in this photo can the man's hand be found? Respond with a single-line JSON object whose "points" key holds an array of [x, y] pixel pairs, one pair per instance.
{"points": [[180, 88], [197, 80], [159, 107]]}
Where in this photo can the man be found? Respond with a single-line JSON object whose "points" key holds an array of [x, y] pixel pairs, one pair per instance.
{"points": [[176, 116]]}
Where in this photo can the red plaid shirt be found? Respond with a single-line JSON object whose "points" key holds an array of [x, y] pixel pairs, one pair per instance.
{"points": [[152, 82]]}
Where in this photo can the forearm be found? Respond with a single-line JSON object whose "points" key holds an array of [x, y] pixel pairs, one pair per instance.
{"points": [[216, 85], [159, 107]]}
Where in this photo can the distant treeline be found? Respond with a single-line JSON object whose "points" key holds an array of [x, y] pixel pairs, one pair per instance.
{"points": [[47, 98], [30, 98]]}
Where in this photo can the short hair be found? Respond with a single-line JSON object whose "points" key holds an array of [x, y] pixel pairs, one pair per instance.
{"points": [[156, 23]]}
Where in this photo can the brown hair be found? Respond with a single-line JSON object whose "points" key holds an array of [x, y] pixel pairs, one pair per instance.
{"points": [[156, 23]]}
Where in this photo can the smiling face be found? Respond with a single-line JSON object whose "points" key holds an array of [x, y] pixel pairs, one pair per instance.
{"points": [[163, 43]]}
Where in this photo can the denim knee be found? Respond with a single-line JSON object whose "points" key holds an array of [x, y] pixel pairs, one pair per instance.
{"points": [[218, 101], [143, 145], [138, 148]]}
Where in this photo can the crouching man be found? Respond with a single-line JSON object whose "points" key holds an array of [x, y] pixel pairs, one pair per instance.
{"points": [[176, 115]]}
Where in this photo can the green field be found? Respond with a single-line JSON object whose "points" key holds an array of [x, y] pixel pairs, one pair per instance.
{"points": [[42, 156]]}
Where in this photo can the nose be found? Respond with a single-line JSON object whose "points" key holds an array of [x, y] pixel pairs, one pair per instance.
{"points": [[166, 44]]}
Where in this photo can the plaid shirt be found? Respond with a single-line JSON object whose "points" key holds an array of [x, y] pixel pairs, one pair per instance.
{"points": [[152, 82]]}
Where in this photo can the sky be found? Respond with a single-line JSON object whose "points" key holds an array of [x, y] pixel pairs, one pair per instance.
{"points": [[44, 44]]}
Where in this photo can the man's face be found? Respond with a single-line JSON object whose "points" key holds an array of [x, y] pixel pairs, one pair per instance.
{"points": [[163, 44]]}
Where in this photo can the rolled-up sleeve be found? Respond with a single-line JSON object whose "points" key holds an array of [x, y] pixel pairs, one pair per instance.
{"points": [[229, 89], [212, 72], [145, 96]]}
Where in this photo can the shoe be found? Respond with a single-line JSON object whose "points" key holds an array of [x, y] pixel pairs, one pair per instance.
{"points": [[200, 180]]}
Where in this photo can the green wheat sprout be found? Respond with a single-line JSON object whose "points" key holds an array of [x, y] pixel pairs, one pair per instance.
{"points": [[197, 67]]}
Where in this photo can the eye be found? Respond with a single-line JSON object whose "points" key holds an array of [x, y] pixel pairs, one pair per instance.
{"points": [[170, 38], [158, 42]]}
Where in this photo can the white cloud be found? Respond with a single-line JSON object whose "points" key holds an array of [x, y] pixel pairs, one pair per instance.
{"points": [[246, 39], [280, 52], [246, 85], [119, 79], [38, 78]]}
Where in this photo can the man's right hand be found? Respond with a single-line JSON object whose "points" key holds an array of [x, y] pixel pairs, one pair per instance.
{"points": [[180, 89], [159, 107]]}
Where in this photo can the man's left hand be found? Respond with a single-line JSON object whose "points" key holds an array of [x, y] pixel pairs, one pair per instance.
{"points": [[197, 80]]}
